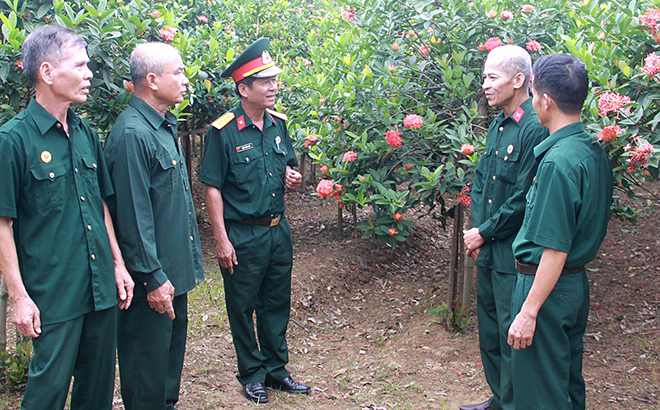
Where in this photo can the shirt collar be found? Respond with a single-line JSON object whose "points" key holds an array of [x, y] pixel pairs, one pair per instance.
{"points": [[567, 131], [526, 107], [239, 111], [152, 116], [45, 120]]}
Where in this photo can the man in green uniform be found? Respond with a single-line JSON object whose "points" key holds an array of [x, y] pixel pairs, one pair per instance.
{"points": [[156, 229], [501, 181], [565, 222], [247, 165], [57, 243]]}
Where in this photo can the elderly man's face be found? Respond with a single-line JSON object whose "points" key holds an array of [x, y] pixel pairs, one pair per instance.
{"points": [[498, 86], [173, 83], [71, 76], [262, 93]]}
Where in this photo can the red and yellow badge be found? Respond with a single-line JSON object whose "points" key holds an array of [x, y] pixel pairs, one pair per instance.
{"points": [[518, 114], [241, 122], [46, 157]]}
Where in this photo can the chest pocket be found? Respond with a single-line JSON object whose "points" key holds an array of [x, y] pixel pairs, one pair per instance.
{"points": [[507, 164], [165, 172], [49, 185], [529, 200], [90, 177], [279, 160], [246, 166]]}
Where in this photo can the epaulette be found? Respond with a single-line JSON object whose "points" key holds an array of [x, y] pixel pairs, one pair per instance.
{"points": [[277, 114], [223, 120]]}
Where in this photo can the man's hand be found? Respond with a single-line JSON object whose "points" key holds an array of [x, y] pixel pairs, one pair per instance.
{"points": [[473, 242], [27, 317], [125, 287], [521, 331], [292, 178], [226, 255], [160, 299]]}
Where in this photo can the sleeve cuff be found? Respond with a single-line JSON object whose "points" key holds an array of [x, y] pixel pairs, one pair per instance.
{"points": [[486, 232], [151, 281]]}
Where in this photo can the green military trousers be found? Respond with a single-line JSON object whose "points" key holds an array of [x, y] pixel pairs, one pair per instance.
{"points": [[261, 283], [151, 349], [494, 291], [548, 374], [84, 348]]}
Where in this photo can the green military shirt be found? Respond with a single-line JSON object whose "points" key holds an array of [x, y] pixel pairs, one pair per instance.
{"points": [[249, 165], [52, 187], [501, 181], [568, 204], [152, 208]]}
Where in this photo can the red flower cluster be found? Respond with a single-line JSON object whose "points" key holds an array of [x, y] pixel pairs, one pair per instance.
{"points": [[609, 133], [492, 43], [467, 149], [311, 140], [413, 121], [155, 14], [527, 7], [408, 166], [651, 64], [327, 188], [324, 169], [202, 18], [167, 33], [19, 64], [650, 19], [533, 45], [398, 217], [349, 13], [612, 102], [392, 231], [506, 14], [349, 156], [339, 191], [393, 137], [424, 50], [464, 197], [639, 156]]}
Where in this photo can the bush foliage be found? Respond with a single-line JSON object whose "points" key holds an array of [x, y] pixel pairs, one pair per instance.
{"points": [[355, 70]]}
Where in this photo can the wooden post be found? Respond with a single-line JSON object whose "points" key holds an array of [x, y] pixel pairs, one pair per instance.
{"points": [[468, 272], [456, 262], [3, 314], [303, 162], [340, 220]]}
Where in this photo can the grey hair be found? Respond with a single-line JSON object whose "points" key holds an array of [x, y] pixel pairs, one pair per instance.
{"points": [[47, 43], [515, 59], [148, 58]]}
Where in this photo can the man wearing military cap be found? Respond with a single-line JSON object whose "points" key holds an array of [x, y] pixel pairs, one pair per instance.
{"points": [[247, 166], [501, 181]]}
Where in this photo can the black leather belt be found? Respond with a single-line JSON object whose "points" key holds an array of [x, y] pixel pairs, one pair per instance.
{"points": [[260, 222], [531, 268]]}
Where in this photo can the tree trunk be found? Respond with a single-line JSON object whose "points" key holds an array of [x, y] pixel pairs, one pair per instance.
{"points": [[340, 220], [456, 262], [3, 315], [303, 163], [468, 272]]}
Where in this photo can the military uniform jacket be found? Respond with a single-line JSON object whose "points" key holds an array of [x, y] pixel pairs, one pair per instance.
{"points": [[568, 204], [502, 179], [52, 187], [153, 208], [248, 165]]}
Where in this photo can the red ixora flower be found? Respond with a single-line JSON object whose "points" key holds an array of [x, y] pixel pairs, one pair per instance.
{"points": [[202, 18], [392, 231], [424, 50], [324, 169], [311, 140], [155, 14], [349, 13], [609, 133], [651, 64], [533, 45], [19, 64], [467, 149], [650, 19], [398, 216], [393, 137], [464, 196], [349, 156], [413, 121], [639, 156], [506, 14], [492, 43], [408, 166], [325, 188], [612, 102], [339, 191], [167, 33], [527, 7]]}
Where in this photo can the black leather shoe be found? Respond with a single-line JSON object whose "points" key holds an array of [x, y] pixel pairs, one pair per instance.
{"points": [[256, 392], [478, 406], [288, 385]]}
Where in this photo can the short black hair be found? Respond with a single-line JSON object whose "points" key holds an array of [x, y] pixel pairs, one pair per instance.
{"points": [[247, 81], [565, 79]]}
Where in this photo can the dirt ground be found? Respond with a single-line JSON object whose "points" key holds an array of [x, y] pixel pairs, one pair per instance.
{"points": [[362, 337]]}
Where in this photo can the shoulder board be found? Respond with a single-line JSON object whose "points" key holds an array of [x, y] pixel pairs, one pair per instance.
{"points": [[223, 120], [277, 114]]}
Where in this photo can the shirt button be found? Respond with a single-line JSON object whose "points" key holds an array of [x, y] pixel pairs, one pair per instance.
{"points": [[266, 154], [173, 162], [75, 170], [89, 227], [273, 194], [187, 188], [494, 177], [247, 159], [270, 174], [51, 175], [82, 198], [94, 165], [501, 128], [490, 201], [497, 153], [189, 213], [506, 158], [93, 256], [145, 284], [58, 125], [191, 238]]}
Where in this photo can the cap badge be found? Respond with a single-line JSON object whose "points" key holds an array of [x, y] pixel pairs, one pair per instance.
{"points": [[266, 58], [46, 157]]}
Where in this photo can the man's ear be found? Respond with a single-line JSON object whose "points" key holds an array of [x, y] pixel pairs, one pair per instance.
{"points": [[547, 101], [241, 90], [46, 72], [518, 80], [152, 81]]}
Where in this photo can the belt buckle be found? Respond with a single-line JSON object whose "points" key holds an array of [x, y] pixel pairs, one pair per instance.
{"points": [[276, 221]]}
